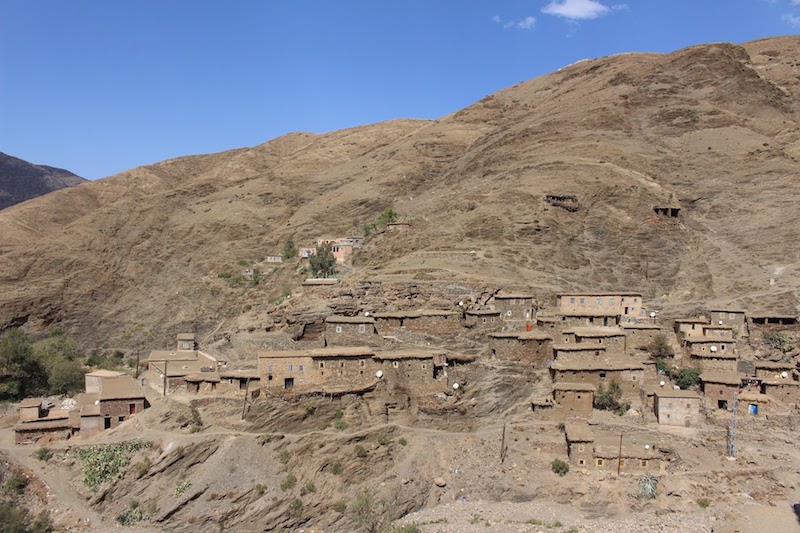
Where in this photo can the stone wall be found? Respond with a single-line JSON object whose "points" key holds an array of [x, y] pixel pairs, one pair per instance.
{"points": [[684, 412], [338, 334]]}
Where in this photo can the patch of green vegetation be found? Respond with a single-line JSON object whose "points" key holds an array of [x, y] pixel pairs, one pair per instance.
{"points": [[336, 468], [310, 487], [611, 399], [402, 441], [43, 454], [340, 506], [360, 451], [224, 275], [289, 249], [560, 467], [284, 457], [16, 518], [142, 467], [289, 482], [340, 425], [296, 507], [779, 340], [15, 484], [384, 440], [362, 511], [131, 515], [182, 486], [105, 463], [260, 489], [704, 503]]}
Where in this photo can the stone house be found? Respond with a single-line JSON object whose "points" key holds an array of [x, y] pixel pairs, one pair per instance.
{"points": [[640, 335], [629, 375], [626, 306], [343, 369], [613, 339], [203, 382], [753, 404], [677, 407], [39, 420], [772, 319], [434, 322], [709, 345], [342, 247], [772, 370], [785, 390], [718, 389], [186, 341], [174, 365], [632, 459], [686, 328], [482, 318], [550, 323], [717, 362], [515, 307], [577, 398], [351, 331], [587, 319], [735, 318], [398, 226], [580, 444], [531, 347], [564, 353]]}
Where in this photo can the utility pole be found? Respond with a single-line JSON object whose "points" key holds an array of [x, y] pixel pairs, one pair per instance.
{"points": [[619, 456], [166, 378], [137, 365], [246, 390], [503, 445], [732, 427]]}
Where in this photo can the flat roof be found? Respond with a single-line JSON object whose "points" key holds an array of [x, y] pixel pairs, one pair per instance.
{"points": [[339, 319], [724, 379], [607, 293], [597, 365], [280, 354], [483, 312], [692, 320], [211, 377], [636, 325], [172, 355], [31, 402], [106, 374], [534, 335], [320, 281], [596, 332], [513, 296], [578, 347], [342, 351], [35, 425], [709, 340], [588, 312], [728, 310], [753, 397], [408, 354], [774, 365], [121, 388], [712, 355], [185, 336], [672, 393], [578, 432], [563, 385]]}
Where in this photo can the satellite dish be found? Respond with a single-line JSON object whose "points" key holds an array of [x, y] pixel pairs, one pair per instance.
{"points": [[162, 376], [461, 304], [379, 374], [662, 383], [646, 446], [713, 348], [455, 386], [652, 314], [784, 374], [720, 322], [366, 313], [97, 402]]}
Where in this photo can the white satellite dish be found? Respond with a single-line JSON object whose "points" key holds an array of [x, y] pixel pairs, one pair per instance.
{"points": [[713, 348], [97, 402], [461, 304], [652, 314], [662, 383], [455, 386], [784, 374], [646, 446], [720, 322], [366, 313], [379, 374], [162, 376]]}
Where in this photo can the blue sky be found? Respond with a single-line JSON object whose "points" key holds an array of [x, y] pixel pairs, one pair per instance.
{"points": [[99, 87]]}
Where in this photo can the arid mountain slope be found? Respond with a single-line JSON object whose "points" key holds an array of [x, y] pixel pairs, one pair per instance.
{"points": [[20, 180], [714, 127]]}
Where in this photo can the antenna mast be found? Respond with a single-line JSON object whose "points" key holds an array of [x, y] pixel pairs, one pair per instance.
{"points": [[732, 427]]}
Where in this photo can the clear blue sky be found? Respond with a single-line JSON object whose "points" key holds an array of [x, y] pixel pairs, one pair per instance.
{"points": [[99, 87]]}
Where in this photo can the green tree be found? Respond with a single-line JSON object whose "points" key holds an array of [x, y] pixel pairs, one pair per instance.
{"points": [[686, 377], [660, 348], [289, 249], [611, 399], [323, 263], [388, 216], [24, 374], [66, 377]]}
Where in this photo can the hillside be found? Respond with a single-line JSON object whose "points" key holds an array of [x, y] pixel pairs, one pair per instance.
{"points": [[20, 180], [130, 259]]}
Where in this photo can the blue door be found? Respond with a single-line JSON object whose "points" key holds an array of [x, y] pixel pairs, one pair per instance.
{"points": [[752, 409]]}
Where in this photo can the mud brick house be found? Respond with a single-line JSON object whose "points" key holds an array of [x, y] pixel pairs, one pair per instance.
{"points": [[515, 307], [391, 322], [785, 390], [203, 382], [631, 459], [735, 318], [580, 444], [398, 226], [629, 375], [677, 407], [563, 353], [718, 362], [343, 369], [686, 328], [175, 365], [718, 389], [531, 347], [482, 319], [640, 335], [240, 380], [613, 339], [771, 370], [753, 404], [575, 398], [108, 401], [434, 322], [716, 331], [40, 420], [342, 247], [351, 331], [626, 306], [588, 319]]}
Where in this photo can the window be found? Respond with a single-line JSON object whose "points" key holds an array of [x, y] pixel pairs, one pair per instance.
{"points": [[269, 368], [723, 347], [484, 321], [597, 352], [572, 300], [634, 378], [599, 301], [394, 364], [602, 375], [582, 448], [338, 329], [508, 313], [688, 406], [581, 462], [583, 301], [579, 397], [291, 368], [611, 301], [362, 328], [122, 419], [644, 462], [732, 315], [185, 345], [361, 362], [299, 368], [424, 366], [322, 364], [599, 462], [341, 364], [622, 462]]}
